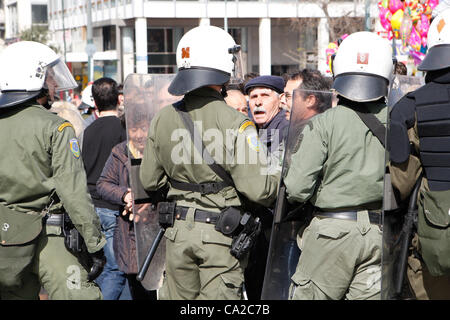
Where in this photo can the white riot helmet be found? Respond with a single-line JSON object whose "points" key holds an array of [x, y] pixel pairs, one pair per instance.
{"points": [[438, 43], [206, 55], [27, 67], [363, 67], [87, 100]]}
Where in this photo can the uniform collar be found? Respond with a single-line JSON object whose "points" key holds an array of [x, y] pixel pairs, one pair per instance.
{"points": [[206, 92]]}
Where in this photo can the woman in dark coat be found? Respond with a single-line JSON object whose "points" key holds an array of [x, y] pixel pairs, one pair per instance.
{"points": [[114, 186]]}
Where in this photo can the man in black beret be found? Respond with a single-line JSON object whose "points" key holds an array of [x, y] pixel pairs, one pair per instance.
{"points": [[265, 107]]}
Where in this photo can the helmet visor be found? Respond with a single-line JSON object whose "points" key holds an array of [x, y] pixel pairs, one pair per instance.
{"points": [[237, 77], [59, 78]]}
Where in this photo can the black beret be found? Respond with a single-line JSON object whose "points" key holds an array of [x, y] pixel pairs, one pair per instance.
{"points": [[272, 82]]}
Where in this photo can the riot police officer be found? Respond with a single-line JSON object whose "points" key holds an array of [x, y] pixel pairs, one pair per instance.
{"points": [[42, 175], [338, 166], [420, 144], [198, 260]]}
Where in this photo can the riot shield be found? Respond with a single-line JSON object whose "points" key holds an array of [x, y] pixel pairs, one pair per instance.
{"points": [[144, 96], [394, 241], [401, 85], [290, 218]]}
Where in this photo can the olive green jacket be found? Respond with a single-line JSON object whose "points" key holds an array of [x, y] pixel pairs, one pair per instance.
{"points": [[338, 163], [228, 136], [40, 154]]}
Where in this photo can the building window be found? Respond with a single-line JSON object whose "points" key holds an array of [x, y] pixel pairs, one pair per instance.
{"points": [[161, 47], [159, 40], [109, 38], [39, 14], [13, 22], [236, 33]]}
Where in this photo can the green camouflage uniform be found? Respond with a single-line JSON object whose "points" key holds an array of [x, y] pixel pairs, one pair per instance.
{"points": [[198, 260], [41, 155]]}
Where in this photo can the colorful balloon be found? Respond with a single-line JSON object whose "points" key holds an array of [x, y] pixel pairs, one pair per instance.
{"points": [[405, 29], [411, 3], [385, 18], [395, 5], [415, 40], [396, 22], [417, 12], [408, 20], [433, 3], [423, 25], [331, 49]]}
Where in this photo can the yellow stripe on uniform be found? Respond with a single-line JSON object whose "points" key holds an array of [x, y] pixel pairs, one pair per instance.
{"points": [[65, 125], [245, 125]]}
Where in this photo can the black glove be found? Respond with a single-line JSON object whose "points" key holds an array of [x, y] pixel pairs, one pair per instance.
{"points": [[98, 261]]}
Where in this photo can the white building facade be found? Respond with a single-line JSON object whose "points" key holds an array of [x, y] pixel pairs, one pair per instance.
{"points": [[142, 35], [20, 15]]}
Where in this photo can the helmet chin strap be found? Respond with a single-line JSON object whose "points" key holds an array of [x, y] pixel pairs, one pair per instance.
{"points": [[46, 103], [223, 91]]}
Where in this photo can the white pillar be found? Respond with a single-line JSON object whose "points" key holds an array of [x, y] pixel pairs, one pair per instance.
{"points": [[127, 51], [140, 26], [265, 42], [204, 22], [323, 39]]}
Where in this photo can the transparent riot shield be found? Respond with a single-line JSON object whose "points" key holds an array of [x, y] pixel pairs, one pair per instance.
{"points": [[144, 96], [394, 241], [401, 85], [290, 218]]}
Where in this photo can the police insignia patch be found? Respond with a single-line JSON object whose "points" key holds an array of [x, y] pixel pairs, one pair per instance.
{"points": [[75, 148], [253, 142]]}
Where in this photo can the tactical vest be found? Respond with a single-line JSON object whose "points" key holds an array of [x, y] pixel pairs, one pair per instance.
{"points": [[433, 124]]}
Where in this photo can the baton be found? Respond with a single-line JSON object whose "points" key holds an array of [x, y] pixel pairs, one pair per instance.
{"points": [[151, 252], [408, 234]]}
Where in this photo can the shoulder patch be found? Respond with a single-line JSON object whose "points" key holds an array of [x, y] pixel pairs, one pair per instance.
{"points": [[251, 135], [253, 142], [65, 125], [75, 148], [245, 125]]}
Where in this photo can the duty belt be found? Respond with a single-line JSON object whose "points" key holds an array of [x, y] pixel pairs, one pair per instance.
{"points": [[374, 217], [54, 219], [200, 215]]}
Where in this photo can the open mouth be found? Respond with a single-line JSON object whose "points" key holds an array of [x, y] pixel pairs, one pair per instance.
{"points": [[259, 111]]}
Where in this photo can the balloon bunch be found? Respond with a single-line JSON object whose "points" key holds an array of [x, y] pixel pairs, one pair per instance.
{"points": [[408, 21], [332, 48]]}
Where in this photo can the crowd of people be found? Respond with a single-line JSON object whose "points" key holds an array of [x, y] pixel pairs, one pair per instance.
{"points": [[98, 119], [311, 180]]}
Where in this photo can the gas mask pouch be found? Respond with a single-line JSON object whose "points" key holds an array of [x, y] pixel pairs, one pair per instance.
{"points": [[229, 221]]}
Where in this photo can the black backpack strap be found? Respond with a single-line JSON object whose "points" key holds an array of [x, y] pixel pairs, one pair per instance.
{"points": [[371, 121], [198, 143]]}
